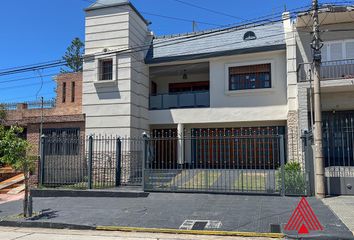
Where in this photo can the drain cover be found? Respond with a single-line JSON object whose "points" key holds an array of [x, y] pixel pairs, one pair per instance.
{"points": [[200, 225], [275, 228]]}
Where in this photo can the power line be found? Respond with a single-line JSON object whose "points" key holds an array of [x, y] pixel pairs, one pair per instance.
{"points": [[59, 63], [164, 16], [208, 10]]}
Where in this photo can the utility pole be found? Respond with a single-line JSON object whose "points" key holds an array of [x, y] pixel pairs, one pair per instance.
{"points": [[319, 159], [42, 116]]}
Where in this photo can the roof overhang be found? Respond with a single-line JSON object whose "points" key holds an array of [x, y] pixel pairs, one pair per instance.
{"points": [[327, 15], [216, 54]]}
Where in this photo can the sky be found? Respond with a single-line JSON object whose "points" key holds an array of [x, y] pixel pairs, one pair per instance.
{"points": [[35, 31]]}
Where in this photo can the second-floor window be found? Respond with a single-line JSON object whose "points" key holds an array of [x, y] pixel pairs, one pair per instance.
{"points": [[338, 50], [106, 69], [72, 91], [64, 93], [250, 77]]}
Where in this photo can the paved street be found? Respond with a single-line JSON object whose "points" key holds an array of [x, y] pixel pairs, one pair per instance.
{"points": [[158, 210], [45, 234], [343, 207]]}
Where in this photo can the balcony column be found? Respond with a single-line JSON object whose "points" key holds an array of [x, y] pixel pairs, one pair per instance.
{"points": [[180, 143]]}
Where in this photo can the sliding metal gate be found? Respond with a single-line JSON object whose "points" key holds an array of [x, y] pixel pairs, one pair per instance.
{"points": [[219, 161], [338, 136]]}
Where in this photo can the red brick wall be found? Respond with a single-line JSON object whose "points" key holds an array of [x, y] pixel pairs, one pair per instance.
{"points": [[21, 115], [69, 107]]}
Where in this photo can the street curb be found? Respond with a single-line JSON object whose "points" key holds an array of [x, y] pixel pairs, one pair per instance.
{"points": [[190, 232], [50, 225]]}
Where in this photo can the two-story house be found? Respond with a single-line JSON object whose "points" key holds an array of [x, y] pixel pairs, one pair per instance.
{"points": [[250, 80], [223, 81]]}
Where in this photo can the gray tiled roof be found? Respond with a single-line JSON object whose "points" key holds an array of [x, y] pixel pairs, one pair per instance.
{"points": [[114, 3], [227, 41], [101, 3]]}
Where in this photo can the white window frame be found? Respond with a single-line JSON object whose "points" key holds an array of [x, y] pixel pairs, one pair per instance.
{"points": [[344, 52], [251, 91], [98, 60]]}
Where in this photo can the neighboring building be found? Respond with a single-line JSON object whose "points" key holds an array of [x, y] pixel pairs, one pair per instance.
{"points": [[337, 89], [61, 117]]}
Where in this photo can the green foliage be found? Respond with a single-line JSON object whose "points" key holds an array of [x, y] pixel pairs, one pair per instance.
{"points": [[73, 56], [13, 149], [295, 182]]}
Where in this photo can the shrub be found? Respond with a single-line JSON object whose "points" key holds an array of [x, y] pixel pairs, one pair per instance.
{"points": [[295, 182]]}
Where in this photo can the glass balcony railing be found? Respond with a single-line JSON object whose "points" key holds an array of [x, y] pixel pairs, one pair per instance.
{"points": [[180, 100]]}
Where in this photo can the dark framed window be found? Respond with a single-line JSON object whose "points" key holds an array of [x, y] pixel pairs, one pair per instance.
{"points": [[64, 93], [250, 77], [72, 91], [188, 87], [106, 69], [62, 141]]}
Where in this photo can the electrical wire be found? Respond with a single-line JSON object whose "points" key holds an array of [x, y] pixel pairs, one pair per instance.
{"points": [[59, 63], [209, 10]]}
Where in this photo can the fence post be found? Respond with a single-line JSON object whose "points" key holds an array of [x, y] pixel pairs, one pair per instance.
{"points": [[42, 159], [90, 154], [145, 158], [282, 163], [118, 161]]}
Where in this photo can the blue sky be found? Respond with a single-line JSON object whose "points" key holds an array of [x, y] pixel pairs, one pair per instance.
{"points": [[33, 31]]}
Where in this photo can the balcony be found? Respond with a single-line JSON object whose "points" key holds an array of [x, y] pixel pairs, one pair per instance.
{"points": [[330, 70], [180, 100]]}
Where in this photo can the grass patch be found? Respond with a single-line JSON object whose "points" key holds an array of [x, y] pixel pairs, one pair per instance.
{"points": [[251, 181]]}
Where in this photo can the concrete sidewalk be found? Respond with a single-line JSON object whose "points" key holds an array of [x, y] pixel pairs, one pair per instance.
{"points": [[343, 207], [239, 213], [45, 234]]}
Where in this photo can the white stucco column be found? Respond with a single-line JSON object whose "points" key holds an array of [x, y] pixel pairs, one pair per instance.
{"points": [[180, 143]]}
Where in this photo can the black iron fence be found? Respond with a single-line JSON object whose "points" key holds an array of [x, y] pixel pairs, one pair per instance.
{"points": [[90, 162], [234, 160], [219, 160]]}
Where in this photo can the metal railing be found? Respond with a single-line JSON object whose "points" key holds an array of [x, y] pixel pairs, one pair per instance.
{"points": [[29, 105], [180, 100], [330, 70], [215, 161], [90, 162]]}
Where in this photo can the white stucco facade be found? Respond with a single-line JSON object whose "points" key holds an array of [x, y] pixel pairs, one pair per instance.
{"points": [[117, 106], [120, 106]]}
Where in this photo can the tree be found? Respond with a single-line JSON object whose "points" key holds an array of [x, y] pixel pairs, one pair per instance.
{"points": [[14, 152], [73, 56]]}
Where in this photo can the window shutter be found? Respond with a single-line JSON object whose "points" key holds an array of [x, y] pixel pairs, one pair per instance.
{"points": [[250, 69], [349, 49], [336, 51]]}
